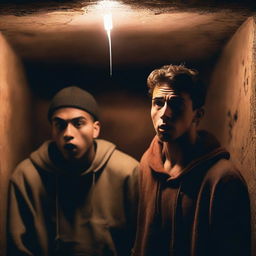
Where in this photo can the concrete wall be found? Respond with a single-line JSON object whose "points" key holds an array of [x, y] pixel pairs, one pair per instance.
{"points": [[14, 123], [230, 106]]}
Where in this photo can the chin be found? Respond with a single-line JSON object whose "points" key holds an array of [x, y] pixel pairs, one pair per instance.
{"points": [[167, 137], [164, 137]]}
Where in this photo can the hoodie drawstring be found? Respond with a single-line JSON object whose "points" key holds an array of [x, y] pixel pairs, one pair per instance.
{"points": [[93, 179], [158, 199], [57, 238], [174, 223]]}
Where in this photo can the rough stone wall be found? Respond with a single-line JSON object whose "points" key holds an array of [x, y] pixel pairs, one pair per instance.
{"points": [[14, 125], [230, 105]]}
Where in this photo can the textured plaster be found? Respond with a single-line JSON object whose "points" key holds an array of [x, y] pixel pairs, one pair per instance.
{"points": [[230, 106]]}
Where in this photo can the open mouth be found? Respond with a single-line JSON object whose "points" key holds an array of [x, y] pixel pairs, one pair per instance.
{"points": [[163, 128], [70, 147]]}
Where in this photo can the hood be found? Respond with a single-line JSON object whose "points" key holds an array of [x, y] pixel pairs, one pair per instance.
{"points": [[104, 150], [208, 151], [47, 159]]}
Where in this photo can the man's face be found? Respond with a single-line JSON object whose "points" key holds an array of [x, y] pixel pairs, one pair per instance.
{"points": [[172, 113], [73, 130]]}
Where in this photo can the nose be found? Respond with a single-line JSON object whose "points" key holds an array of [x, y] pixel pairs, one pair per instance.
{"points": [[68, 133], [166, 112]]}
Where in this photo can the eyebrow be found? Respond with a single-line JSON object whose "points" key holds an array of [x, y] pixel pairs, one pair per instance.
{"points": [[173, 96], [58, 119]]}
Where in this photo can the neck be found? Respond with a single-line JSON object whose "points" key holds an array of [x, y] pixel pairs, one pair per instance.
{"points": [[86, 161], [177, 154]]}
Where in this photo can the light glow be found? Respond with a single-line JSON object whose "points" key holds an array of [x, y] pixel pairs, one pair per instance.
{"points": [[108, 24], [108, 5]]}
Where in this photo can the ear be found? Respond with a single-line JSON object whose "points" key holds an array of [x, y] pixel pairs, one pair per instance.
{"points": [[96, 129], [199, 113]]}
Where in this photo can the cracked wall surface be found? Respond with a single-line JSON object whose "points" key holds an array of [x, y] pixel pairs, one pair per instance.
{"points": [[230, 106]]}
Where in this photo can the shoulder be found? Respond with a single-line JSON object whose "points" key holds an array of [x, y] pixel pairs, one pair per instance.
{"points": [[123, 159], [25, 170], [108, 150], [122, 162], [223, 169], [224, 175]]}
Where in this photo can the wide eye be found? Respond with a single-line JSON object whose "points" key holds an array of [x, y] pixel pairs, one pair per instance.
{"points": [[78, 123], [60, 124], [176, 105], [158, 102]]}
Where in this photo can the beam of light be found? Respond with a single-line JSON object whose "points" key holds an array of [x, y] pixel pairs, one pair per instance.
{"points": [[108, 24]]}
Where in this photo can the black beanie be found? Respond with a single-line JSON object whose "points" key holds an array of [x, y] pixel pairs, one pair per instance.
{"points": [[74, 97]]}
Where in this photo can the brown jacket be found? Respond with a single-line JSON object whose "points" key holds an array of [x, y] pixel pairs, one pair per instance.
{"points": [[203, 211]]}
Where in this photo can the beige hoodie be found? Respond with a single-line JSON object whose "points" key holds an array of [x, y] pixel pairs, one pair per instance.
{"points": [[53, 211]]}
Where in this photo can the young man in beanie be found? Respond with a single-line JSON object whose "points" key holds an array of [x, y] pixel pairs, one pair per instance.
{"points": [[76, 194], [193, 201]]}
